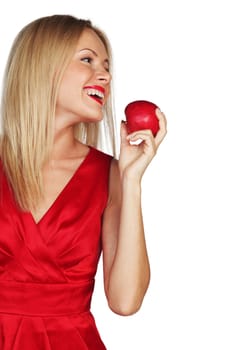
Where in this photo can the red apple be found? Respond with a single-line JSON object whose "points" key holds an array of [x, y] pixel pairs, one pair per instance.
{"points": [[141, 115]]}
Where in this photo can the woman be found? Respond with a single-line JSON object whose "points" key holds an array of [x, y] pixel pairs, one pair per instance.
{"points": [[63, 201]]}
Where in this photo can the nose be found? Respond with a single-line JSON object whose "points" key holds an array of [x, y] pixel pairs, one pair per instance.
{"points": [[103, 75]]}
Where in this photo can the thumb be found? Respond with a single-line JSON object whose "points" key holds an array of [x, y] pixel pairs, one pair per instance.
{"points": [[123, 132]]}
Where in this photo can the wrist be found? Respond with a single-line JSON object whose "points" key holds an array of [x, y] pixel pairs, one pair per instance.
{"points": [[130, 183]]}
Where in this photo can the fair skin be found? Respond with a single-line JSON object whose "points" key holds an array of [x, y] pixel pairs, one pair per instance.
{"points": [[125, 259]]}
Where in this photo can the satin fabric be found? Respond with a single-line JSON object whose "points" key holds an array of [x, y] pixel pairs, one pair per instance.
{"points": [[47, 269]]}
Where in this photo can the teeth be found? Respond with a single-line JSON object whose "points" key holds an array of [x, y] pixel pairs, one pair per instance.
{"points": [[95, 92]]}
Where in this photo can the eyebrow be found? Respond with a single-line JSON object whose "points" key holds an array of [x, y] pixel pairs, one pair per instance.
{"points": [[95, 54]]}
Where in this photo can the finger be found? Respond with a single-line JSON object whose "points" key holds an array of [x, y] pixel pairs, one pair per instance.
{"points": [[162, 119], [162, 127], [140, 134], [143, 138]]}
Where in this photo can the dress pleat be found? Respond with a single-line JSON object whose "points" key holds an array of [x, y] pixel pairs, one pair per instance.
{"points": [[47, 269]]}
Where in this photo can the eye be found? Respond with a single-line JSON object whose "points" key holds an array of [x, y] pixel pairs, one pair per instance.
{"points": [[86, 59]]}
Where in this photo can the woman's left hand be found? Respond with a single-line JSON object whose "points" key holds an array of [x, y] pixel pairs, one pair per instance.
{"points": [[134, 158]]}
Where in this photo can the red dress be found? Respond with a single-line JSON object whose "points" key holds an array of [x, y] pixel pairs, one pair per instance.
{"points": [[47, 269]]}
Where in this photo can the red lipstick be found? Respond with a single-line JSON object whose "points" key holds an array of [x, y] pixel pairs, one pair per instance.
{"points": [[96, 87], [96, 92]]}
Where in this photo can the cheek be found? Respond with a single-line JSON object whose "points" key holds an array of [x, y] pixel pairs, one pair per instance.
{"points": [[69, 88], [65, 93]]}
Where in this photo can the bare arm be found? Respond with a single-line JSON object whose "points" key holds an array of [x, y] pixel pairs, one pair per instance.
{"points": [[125, 259]]}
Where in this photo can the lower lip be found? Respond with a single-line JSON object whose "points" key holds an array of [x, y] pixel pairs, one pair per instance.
{"points": [[96, 99]]}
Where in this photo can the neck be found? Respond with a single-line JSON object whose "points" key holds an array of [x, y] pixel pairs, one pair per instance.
{"points": [[64, 144]]}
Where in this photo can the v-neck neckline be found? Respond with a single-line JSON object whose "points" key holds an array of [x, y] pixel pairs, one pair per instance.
{"points": [[63, 190]]}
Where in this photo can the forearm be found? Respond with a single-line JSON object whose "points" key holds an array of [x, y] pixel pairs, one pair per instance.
{"points": [[126, 265], [130, 272]]}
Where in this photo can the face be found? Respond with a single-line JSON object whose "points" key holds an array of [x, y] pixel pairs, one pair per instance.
{"points": [[86, 82]]}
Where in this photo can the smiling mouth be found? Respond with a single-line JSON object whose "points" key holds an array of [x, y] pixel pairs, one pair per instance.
{"points": [[95, 94]]}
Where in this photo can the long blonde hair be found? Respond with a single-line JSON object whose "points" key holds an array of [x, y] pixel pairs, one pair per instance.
{"points": [[37, 60]]}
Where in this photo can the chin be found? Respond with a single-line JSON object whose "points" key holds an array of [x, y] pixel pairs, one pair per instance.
{"points": [[95, 118]]}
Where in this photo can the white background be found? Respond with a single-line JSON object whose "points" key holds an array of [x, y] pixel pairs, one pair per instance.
{"points": [[179, 55]]}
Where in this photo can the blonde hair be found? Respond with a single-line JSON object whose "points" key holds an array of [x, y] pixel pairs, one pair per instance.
{"points": [[38, 58]]}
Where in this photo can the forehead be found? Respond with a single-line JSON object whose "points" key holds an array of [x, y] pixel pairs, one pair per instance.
{"points": [[90, 40]]}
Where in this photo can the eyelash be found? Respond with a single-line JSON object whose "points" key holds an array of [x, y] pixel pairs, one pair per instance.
{"points": [[89, 60]]}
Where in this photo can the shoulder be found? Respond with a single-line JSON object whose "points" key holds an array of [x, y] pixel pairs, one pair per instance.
{"points": [[0, 146], [100, 154], [108, 165], [115, 169], [114, 183], [112, 162], [101, 159]]}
